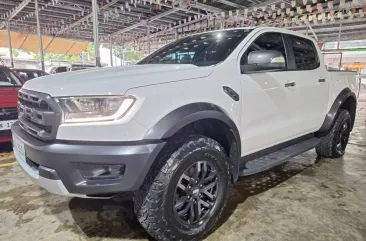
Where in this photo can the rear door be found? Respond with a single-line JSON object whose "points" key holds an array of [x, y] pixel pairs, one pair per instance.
{"points": [[308, 97], [266, 115]]}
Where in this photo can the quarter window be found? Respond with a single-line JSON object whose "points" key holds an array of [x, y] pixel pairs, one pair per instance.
{"points": [[305, 54]]}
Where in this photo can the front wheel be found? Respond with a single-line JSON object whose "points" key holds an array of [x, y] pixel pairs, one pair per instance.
{"points": [[335, 142], [184, 197]]}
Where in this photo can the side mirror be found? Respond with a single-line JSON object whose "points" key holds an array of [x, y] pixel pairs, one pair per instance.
{"points": [[264, 60]]}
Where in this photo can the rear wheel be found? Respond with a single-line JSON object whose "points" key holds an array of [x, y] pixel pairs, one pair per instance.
{"points": [[183, 198], [335, 142]]}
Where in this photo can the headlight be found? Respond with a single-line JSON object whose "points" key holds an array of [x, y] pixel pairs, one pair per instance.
{"points": [[94, 108]]}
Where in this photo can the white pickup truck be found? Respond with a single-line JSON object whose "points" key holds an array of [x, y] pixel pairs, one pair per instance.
{"points": [[184, 123]]}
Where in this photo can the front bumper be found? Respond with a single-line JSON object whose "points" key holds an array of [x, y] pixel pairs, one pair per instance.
{"points": [[59, 166]]}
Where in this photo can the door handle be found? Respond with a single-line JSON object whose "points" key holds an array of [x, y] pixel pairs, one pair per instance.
{"points": [[321, 80], [290, 84]]}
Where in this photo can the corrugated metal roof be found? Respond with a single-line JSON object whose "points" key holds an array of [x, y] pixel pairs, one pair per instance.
{"points": [[126, 20]]}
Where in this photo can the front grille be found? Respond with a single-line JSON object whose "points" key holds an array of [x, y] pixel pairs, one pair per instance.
{"points": [[8, 114], [38, 115]]}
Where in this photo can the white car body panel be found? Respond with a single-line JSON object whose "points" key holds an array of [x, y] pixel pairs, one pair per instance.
{"points": [[267, 113], [113, 80]]}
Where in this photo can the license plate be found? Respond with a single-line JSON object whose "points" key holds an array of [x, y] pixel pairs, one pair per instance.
{"points": [[6, 125], [19, 148]]}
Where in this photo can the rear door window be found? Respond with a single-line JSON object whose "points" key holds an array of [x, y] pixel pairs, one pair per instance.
{"points": [[305, 53]]}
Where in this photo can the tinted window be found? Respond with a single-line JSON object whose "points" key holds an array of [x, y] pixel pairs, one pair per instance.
{"points": [[266, 41], [306, 56], [61, 69], [201, 50], [30, 75], [23, 75], [8, 78]]}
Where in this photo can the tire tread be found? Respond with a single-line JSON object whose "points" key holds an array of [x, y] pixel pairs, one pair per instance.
{"points": [[148, 200]]}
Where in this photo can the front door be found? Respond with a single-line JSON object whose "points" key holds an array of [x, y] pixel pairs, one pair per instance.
{"points": [[266, 109]]}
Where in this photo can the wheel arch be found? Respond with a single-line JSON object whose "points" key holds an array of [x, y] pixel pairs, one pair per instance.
{"points": [[346, 100], [206, 119]]}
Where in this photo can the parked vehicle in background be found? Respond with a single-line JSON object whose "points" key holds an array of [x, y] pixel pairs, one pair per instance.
{"points": [[184, 123], [9, 86], [71, 67], [58, 69], [28, 74], [75, 67]]}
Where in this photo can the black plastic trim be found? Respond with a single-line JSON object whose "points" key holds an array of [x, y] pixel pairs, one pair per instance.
{"points": [[230, 92], [185, 115], [330, 117], [275, 148], [48, 173]]}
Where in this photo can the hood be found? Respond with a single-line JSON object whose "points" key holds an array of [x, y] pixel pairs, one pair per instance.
{"points": [[113, 80]]}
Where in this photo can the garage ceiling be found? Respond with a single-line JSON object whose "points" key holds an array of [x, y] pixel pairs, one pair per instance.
{"points": [[127, 21]]}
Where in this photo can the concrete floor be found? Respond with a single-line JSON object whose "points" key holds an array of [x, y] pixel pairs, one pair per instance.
{"points": [[304, 199]]}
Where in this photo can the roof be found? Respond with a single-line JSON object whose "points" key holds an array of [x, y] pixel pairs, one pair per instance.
{"points": [[126, 22], [29, 42], [22, 69]]}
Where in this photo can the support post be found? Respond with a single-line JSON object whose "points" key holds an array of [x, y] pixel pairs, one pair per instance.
{"points": [[10, 46], [176, 34], [222, 24], [111, 51], [339, 35], [96, 32], [39, 34], [148, 38], [123, 56]]}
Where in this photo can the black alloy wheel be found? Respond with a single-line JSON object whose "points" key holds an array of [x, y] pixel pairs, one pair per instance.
{"points": [[196, 192], [186, 191], [342, 137]]}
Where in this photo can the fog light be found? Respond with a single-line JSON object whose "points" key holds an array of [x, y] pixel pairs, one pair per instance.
{"points": [[100, 172]]}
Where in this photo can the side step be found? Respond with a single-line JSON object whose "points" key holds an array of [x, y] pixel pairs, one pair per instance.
{"points": [[275, 158]]}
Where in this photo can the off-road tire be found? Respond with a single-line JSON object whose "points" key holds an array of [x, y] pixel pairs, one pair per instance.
{"points": [[154, 201], [328, 143]]}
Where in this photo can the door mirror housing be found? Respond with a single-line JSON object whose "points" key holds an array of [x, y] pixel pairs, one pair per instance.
{"points": [[264, 60]]}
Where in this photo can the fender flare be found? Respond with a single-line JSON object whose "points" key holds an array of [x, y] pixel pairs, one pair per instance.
{"points": [[187, 114], [332, 114]]}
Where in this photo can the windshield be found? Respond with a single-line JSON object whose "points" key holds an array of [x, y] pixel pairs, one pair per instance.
{"points": [[201, 50], [8, 78]]}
